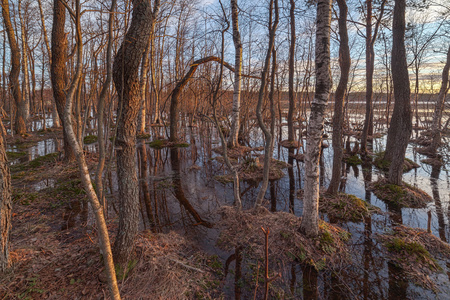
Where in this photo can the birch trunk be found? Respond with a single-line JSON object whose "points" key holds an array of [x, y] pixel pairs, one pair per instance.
{"points": [[400, 128], [310, 220], [235, 121], [290, 119]]}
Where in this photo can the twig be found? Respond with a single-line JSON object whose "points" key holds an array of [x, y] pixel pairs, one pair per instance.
{"points": [[186, 266]]}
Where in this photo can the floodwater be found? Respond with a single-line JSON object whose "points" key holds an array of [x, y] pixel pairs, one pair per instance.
{"points": [[178, 192]]}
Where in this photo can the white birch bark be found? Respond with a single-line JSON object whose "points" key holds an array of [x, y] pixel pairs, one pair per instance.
{"points": [[310, 221]]}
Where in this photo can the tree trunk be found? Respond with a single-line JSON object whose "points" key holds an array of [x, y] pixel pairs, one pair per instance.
{"points": [[439, 108], [401, 124], [338, 117], [58, 68], [290, 120], [310, 220], [268, 148], [235, 121], [5, 203], [126, 80], [368, 121], [21, 117]]}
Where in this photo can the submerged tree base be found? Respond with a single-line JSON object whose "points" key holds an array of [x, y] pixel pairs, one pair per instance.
{"points": [[400, 195], [415, 252], [384, 165]]}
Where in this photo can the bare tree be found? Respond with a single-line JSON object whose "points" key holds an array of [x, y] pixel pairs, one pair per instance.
{"points": [[235, 121], [126, 79], [338, 117], [310, 219], [21, 116], [268, 134], [400, 127]]}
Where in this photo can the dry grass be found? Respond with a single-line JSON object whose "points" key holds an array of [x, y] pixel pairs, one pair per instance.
{"points": [[345, 207], [286, 243]]}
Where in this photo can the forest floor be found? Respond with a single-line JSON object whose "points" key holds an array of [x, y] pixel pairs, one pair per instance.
{"points": [[55, 254]]}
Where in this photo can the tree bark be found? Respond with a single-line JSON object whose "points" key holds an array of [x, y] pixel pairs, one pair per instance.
{"points": [[235, 121], [439, 108], [338, 117], [268, 148], [126, 80], [5, 203], [310, 220], [290, 119], [58, 68], [401, 124], [21, 117]]}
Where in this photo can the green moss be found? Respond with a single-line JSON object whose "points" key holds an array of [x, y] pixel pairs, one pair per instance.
{"points": [[90, 139], [400, 246], [157, 144], [122, 273], [143, 136], [39, 161], [384, 165], [353, 160], [14, 155], [182, 145]]}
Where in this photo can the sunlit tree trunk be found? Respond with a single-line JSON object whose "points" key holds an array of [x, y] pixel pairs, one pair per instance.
{"points": [[5, 203], [58, 67], [338, 117], [235, 121], [400, 127], [126, 79], [26, 78], [310, 219], [21, 117]]}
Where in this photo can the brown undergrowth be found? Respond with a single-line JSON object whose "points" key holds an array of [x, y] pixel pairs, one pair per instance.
{"points": [[400, 195], [252, 169], [286, 243], [415, 252]]}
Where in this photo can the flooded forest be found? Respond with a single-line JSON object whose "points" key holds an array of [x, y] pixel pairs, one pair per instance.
{"points": [[224, 149]]}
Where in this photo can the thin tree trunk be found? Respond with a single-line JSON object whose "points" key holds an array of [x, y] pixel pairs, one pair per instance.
{"points": [[338, 117], [310, 219], [439, 108], [103, 234], [235, 121], [290, 119], [26, 85], [401, 124], [21, 117], [268, 148]]}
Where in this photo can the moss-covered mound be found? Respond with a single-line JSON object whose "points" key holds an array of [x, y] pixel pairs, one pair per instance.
{"points": [[415, 252], [352, 160], [345, 207], [90, 139], [252, 169], [291, 144], [158, 144], [435, 162], [286, 243], [235, 152], [400, 195], [384, 165]]}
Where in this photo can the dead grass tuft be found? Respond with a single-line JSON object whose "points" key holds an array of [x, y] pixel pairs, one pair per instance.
{"points": [[400, 195]]}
